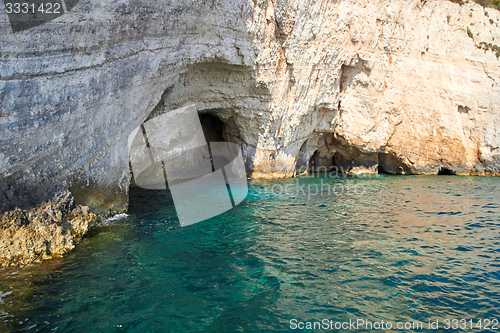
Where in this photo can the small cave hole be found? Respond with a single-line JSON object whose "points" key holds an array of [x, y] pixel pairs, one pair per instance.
{"points": [[463, 109], [381, 170], [446, 172]]}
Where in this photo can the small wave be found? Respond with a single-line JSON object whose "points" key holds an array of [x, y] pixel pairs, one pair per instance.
{"points": [[113, 218], [3, 295]]}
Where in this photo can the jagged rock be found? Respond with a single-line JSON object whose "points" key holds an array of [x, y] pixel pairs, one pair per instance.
{"points": [[50, 230]]}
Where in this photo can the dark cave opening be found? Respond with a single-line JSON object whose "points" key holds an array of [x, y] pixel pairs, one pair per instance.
{"points": [[446, 172], [390, 164], [213, 127], [381, 170], [157, 202], [341, 163], [214, 131]]}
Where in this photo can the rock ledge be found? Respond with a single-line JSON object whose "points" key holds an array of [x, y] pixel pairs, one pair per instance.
{"points": [[47, 231]]}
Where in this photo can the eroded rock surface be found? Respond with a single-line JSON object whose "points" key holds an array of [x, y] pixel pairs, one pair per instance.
{"points": [[50, 230], [404, 85]]}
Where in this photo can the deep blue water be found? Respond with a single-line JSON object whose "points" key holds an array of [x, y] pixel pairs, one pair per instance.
{"points": [[399, 249]]}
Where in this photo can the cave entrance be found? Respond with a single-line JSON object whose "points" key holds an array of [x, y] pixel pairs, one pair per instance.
{"points": [[160, 201], [446, 172], [213, 127], [381, 170]]}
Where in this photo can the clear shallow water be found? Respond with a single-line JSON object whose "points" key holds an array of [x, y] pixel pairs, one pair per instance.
{"points": [[407, 249]]}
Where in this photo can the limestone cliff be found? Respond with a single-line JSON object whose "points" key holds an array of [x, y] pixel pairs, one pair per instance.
{"points": [[398, 86], [402, 85]]}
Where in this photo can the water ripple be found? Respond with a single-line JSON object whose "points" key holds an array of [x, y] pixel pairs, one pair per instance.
{"points": [[410, 248]]}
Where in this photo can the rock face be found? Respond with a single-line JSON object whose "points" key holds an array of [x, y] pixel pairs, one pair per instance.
{"points": [[47, 231], [398, 85], [395, 86]]}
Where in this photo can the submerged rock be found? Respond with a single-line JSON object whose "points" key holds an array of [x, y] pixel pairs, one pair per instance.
{"points": [[50, 230]]}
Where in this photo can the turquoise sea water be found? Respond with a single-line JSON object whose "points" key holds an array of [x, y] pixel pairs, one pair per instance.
{"points": [[399, 249]]}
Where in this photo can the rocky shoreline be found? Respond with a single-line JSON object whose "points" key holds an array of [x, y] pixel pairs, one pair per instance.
{"points": [[47, 231]]}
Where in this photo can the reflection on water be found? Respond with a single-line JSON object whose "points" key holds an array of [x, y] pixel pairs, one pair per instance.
{"points": [[410, 248]]}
